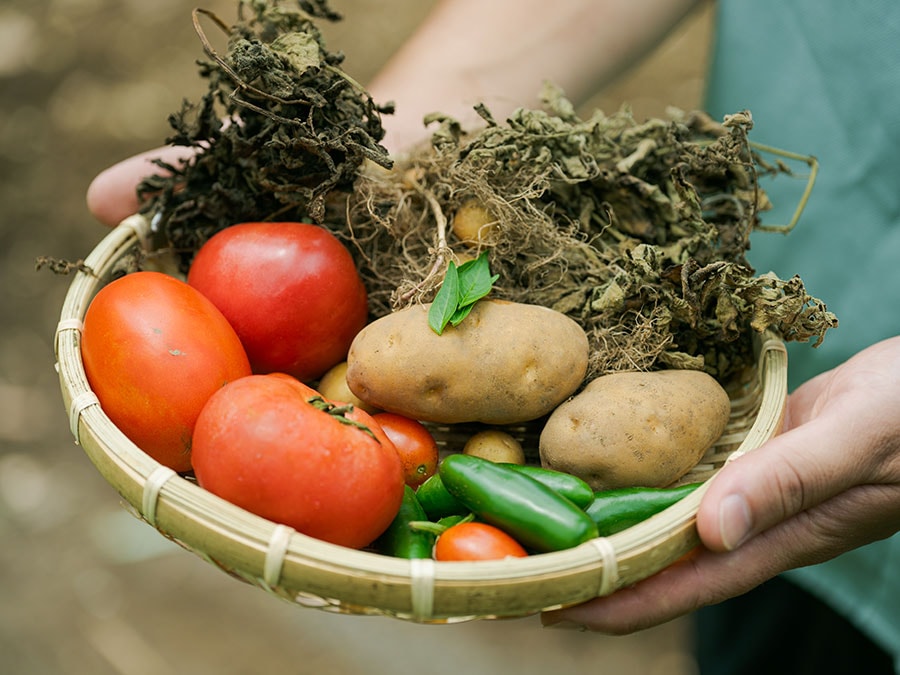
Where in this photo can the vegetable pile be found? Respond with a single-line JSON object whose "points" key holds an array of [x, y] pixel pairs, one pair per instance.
{"points": [[584, 276]]}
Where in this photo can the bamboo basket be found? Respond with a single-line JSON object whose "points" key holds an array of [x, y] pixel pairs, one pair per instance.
{"points": [[313, 573]]}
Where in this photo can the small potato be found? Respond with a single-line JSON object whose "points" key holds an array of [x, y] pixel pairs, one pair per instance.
{"points": [[473, 223], [496, 446], [333, 386], [636, 429], [505, 363]]}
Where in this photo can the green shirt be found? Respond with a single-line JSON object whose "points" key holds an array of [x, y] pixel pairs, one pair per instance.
{"points": [[822, 78]]}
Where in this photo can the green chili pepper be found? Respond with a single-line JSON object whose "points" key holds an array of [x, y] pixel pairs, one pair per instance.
{"points": [[438, 528], [527, 510], [436, 501], [402, 541], [456, 519], [571, 487], [616, 510]]}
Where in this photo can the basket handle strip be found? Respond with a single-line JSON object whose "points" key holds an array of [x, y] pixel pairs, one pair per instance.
{"points": [[609, 565], [83, 400], [150, 496], [72, 323], [421, 587], [275, 554]]}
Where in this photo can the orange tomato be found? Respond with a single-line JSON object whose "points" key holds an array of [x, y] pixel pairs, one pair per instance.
{"points": [[154, 350], [476, 541], [416, 446], [264, 444]]}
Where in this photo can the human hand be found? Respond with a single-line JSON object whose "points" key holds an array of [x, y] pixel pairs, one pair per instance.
{"points": [[828, 484], [112, 195]]}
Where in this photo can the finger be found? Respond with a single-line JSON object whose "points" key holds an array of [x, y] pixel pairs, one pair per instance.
{"points": [[112, 195]]}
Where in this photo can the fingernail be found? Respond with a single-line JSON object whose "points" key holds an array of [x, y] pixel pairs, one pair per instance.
{"points": [[734, 521]]}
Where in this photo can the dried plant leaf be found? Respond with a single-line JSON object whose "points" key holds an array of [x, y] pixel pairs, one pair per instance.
{"points": [[281, 130]]}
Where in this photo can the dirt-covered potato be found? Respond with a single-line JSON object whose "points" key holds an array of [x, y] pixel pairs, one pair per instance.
{"points": [[473, 224], [636, 429], [505, 363]]}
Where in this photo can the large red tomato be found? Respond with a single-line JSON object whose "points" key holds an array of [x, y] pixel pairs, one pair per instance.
{"points": [[154, 350], [261, 444], [291, 291]]}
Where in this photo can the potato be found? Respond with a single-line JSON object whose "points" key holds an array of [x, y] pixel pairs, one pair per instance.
{"points": [[636, 429], [495, 446], [505, 363], [333, 386]]}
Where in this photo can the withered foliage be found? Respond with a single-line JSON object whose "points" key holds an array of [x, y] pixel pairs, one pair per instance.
{"points": [[280, 128], [637, 230]]}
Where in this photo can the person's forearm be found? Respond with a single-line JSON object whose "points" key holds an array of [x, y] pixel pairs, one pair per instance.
{"points": [[500, 52]]}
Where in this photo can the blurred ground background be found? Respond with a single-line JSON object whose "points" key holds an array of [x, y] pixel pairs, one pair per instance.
{"points": [[86, 589]]}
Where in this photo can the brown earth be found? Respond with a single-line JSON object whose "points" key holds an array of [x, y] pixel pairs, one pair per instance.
{"points": [[84, 587]]}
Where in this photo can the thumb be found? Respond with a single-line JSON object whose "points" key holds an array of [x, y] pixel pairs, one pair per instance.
{"points": [[790, 473], [112, 195]]}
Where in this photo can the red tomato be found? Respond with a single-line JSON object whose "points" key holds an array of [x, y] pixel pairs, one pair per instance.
{"points": [[418, 450], [260, 444], [305, 389], [476, 541], [291, 291], [154, 350]]}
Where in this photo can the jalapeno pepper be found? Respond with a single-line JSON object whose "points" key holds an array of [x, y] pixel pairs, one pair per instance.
{"points": [[435, 499], [531, 512], [571, 487], [402, 541], [438, 502], [616, 510]]}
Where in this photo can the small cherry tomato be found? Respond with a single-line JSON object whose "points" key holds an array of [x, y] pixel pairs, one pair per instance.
{"points": [[291, 291], [416, 446], [154, 350], [476, 541], [265, 444]]}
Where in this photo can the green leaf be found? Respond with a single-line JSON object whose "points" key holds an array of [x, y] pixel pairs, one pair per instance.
{"points": [[460, 314], [463, 286], [446, 301], [475, 280]]}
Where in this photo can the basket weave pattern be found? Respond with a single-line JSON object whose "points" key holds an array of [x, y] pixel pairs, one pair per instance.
{"points": [[314, 573]]}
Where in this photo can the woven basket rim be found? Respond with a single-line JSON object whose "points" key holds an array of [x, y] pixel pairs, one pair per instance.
{"points": [[312, 572]]}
